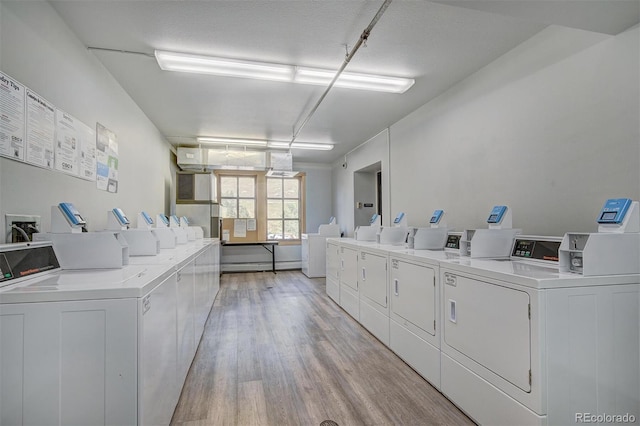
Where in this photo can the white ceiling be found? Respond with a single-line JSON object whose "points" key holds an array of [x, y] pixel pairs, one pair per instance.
{"points": [[438, 44]]}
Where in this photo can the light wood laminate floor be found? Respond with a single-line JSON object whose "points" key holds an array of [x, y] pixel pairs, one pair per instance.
{"points": [[277, 351]]}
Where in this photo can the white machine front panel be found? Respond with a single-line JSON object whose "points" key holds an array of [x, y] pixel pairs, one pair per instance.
{"points": [[186, 323], [373, 277], [349, 267], [413, 294], [159, 388], [88, 375], [594, 352], [333, 289], [420, 355], [333, 261], [202, 286], [489, 324]]}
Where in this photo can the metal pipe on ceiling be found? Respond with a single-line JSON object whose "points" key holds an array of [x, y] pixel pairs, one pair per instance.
{"points": [[363, 38]]}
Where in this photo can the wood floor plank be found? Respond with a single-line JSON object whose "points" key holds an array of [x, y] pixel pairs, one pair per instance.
{"points": [[277, 351], [252, 406]]}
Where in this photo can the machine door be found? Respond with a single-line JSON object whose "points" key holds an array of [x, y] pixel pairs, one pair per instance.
{"points": [[349, 267], [373, 277], [333, 262], [490, 324], [413, 294]]}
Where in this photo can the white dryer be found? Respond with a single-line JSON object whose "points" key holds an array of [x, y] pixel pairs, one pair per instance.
{"points": [[523, 343]]}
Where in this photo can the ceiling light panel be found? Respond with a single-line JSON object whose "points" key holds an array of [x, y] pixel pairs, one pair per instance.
{"points": [[312, 146], [231, 141], [183, 62], [301, 145], [351, 80]]}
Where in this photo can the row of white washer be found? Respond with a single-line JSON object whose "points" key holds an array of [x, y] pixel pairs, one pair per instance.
{"points": [[108, 346], [508, 341]]}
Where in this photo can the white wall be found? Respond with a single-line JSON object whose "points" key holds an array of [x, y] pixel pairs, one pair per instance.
{"points": [[373, 151], [39, 50], [318, 194], [551, 129]]}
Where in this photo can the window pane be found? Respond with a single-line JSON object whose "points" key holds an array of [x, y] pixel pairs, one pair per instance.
{"points": [[274, 188], [291, 230], [274, 209], [228, 208], [247, 208], [274, 229], [228, 186], [247, 187], [291, 188], [291, 209]]}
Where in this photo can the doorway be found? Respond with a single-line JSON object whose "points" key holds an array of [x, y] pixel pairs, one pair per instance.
{"points": [[367, 192]]}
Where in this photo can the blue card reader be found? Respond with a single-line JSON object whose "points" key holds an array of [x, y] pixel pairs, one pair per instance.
{"points": [[165, 219], [122, 218], [437, 215], [373, 218], [71, 214], [497, 214], [614, 210], [147, 218], [185, 220], [175, 219], [398, 218]]}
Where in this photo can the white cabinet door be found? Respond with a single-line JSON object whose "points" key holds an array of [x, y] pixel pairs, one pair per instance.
{"points": [[489, 324], [349, 267], [372, 278], [413, 294], [159, 388]]}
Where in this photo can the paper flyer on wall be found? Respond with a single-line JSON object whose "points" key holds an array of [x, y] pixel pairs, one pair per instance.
{"points": [[67, 148], [40, 131], [12, 113], [107, 159], [87, 165], [240, 228]]}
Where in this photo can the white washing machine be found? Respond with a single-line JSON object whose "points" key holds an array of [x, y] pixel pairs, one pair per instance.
{"points": [[313, 250], [86, 346]]}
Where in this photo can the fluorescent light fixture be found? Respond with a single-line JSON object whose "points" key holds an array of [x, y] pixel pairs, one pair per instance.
{"points": [[231, 141], [351, 80], [184, 62], [301, 145], [264, 143]]}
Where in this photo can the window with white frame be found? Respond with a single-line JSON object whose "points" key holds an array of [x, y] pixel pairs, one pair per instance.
{"points": [[283, 208], [238, 197]]}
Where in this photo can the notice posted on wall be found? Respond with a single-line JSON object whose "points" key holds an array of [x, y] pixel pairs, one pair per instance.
{"points": [[12, 118], [67, 149], [40, 130], [106, 159], [75, 150], [87, 164], [240, 228]]}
